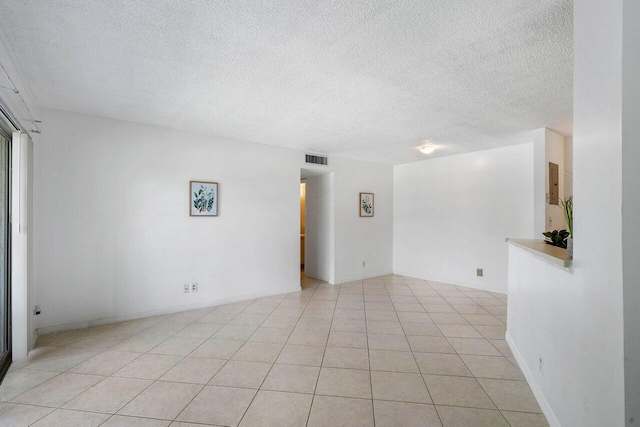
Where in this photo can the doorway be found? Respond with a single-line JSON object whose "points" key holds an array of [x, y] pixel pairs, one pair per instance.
{"points": [[316, 224], [303, 216]]}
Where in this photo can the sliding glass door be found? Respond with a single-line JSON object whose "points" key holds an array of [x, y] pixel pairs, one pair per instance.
{"points": [[5, 300]]}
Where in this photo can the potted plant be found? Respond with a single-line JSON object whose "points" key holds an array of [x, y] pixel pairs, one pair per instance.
{"points": [[567, 208], [557, 238]]}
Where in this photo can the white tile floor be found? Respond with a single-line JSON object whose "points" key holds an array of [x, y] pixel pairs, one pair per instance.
{"points": [[389, 351]]}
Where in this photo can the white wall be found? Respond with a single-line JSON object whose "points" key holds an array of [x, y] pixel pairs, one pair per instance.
{"points": [[452, 214], [362, 239], [631, 206], [574, 318], [540, 188], [554, 152], [20, 105], [319, 251], [22, 322], [568, 166], [540, 323], [113, 238], [549, 146], [351, 239]]}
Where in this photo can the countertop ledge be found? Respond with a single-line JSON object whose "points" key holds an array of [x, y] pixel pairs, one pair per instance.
{"points": [[539, 248]]}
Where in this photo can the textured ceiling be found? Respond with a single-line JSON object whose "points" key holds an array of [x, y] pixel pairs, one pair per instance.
{"points": [[365, 79]]}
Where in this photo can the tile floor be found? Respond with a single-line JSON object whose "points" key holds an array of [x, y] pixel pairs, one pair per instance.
{"points": [[389, 351]]}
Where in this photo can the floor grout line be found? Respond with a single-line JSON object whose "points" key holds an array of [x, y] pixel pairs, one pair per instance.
{"points": [[228, 360], [366, 331], [315, 389], [392, 290], [279, 353], [420, 370]]}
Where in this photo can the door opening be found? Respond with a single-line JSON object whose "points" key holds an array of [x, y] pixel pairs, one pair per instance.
{"points": [[316, 225], [303, 215]]}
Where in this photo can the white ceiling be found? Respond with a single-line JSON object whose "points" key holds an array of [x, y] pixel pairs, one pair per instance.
{"points": [[366, 79]]}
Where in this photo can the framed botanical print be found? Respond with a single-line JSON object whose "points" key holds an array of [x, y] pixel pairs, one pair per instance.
{"points": [[366, 204], [203, 198]]}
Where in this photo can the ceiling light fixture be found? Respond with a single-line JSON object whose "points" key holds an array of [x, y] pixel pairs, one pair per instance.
{"points": [[427, 149]]}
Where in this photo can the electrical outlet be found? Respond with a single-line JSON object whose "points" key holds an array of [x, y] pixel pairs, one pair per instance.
{"points": [[185, 289], [479, 272], [194, 287], [541, 364]]}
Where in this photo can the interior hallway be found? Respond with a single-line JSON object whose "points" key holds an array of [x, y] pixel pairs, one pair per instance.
{"points": [[398, 350]]}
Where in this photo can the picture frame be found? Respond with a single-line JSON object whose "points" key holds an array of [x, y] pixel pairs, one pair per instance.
{"points": [[366, 205], [203, 198]]}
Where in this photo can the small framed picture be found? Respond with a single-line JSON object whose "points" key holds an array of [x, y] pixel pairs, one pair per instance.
{"points": [[203, 198], [366, 204]]}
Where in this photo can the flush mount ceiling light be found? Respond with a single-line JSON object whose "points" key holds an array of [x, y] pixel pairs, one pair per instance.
{"points": [[427, 148]]}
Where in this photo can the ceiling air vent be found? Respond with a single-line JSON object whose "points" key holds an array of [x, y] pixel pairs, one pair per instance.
{"points": [[316, 160]]}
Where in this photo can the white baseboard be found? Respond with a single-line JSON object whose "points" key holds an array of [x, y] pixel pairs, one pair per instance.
{"points": [[34, 338], [352, 279], [155, 312], [452, 282], [362, 277], [535, 387]]}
